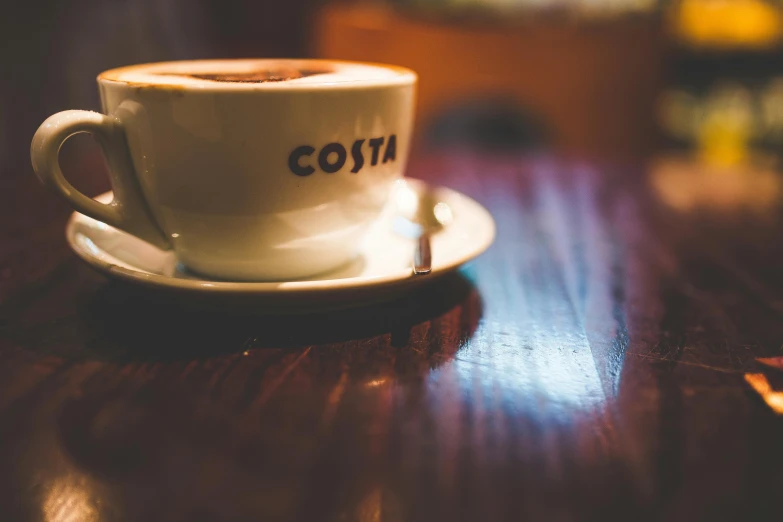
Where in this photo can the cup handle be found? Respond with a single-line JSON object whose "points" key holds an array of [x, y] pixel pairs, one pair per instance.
{"points": [[127, 211]]}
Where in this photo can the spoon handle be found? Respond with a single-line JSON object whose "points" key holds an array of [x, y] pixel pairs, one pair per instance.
{"points": [[422, 256]]}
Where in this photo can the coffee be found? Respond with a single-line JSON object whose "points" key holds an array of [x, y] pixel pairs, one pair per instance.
{"points": [[253, 72], [247, 169], [258, 76]]}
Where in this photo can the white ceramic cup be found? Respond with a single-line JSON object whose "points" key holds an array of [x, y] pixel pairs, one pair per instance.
{"points": [[245, 181]]}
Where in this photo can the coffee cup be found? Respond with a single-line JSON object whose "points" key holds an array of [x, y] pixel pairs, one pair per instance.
{"points": [[247, 169]]}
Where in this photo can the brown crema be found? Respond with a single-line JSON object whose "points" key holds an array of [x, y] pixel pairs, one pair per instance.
{"points": [[259, 76]]}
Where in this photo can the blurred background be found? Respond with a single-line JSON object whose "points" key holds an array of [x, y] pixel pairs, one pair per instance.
{"points": [[683, 85]]}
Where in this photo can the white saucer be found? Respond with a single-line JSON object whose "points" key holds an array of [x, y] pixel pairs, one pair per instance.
{"points": [[381, 270]]}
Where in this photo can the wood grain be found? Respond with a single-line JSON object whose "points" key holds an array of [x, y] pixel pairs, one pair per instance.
{"points": [[588, 367]]}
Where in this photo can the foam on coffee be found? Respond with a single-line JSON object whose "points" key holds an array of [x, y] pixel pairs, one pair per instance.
{"points": [[261, 73]]}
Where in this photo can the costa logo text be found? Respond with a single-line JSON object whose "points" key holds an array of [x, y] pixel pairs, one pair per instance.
{"points": [[332, 157]]}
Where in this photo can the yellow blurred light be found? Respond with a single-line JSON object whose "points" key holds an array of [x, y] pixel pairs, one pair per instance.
{"points": [[68, 500], [686, 184], [729, 23], [760, 384]]}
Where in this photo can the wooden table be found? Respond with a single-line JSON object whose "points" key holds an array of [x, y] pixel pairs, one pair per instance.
{"points": [[590, 366]]}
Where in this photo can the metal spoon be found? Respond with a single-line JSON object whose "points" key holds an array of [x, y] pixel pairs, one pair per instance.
{"points": [[419, 215]]}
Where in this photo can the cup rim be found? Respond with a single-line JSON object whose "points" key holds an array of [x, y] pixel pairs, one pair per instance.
{"points": [[405, 76]]}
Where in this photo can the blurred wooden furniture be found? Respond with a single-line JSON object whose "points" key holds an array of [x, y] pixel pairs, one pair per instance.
{"points": [[593, 83]]}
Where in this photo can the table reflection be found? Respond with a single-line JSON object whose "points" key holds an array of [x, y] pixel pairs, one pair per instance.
{"points": [[552, 371], [68, 499]]}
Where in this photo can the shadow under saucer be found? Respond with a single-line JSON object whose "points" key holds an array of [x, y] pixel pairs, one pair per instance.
{"points": [[121, 322]]}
